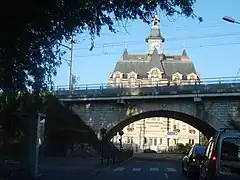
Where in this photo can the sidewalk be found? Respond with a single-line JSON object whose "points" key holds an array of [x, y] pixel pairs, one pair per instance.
{"points": [[70, 168]]}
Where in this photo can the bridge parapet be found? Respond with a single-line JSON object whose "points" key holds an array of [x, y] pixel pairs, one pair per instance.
{"points": [[203, 86]]}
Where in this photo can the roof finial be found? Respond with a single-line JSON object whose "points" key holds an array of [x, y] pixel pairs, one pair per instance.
{"points": [[155, 20]]}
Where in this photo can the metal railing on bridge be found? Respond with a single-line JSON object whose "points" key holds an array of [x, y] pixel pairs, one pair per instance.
{"points": [[203, 85]]}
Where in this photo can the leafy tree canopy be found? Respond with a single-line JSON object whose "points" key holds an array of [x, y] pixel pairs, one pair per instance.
{"points": [[32, 32]]}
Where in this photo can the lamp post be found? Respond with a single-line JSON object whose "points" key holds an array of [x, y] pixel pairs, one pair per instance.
{"points": [[230, 19], [103, 132], [120, 140], [69, 61]]}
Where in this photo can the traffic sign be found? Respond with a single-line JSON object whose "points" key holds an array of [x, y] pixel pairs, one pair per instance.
{"points": [[171, 133]]}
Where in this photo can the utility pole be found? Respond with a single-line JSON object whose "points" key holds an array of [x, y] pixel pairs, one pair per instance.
{"points": [[70, 64]]}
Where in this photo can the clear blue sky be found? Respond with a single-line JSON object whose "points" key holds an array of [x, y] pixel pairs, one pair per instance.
{"points": [[213, 56]]}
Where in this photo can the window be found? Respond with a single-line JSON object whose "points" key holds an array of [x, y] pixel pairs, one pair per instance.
{"points": [[150, 141], [132, 82], [174, 127], [230, 149], [175, 141], [160, 141], [191, 141], [118, 79], [155, 141], [168, 141], [128, 139]]}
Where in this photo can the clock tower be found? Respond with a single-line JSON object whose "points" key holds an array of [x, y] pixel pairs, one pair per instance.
{"points": [[155, 38]]}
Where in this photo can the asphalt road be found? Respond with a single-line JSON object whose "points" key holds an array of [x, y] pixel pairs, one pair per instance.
{"points": [[143, 170]]}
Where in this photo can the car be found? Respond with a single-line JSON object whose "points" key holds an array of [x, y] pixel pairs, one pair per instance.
{"points": [[222, 157], [191, 161]]}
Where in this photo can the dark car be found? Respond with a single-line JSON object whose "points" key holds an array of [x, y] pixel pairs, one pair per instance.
{"points": [[222, 157], [191, 161]]}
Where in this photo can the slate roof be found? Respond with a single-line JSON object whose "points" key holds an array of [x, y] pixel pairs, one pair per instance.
{"points": [[143, 63]]}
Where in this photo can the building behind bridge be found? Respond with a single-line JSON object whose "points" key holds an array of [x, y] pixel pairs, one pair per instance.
{"points": [[155, 68]]}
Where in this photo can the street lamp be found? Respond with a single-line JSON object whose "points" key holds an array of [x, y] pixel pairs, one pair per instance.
{"points": [[230, 19], [120, 140], [69, 62]]}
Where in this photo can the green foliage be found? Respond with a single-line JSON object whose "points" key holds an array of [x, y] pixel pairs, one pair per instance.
{"points": [[30, 43], [180, 148]]}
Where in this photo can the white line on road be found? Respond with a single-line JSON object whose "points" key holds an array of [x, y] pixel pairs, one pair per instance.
{"points": [[136, 169], [119, 169], [171, 170], [154, 169], [166, 175]]}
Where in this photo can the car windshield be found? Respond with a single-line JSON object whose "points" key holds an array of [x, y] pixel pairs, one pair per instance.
{"points": [[199, 150], [230, 149]]}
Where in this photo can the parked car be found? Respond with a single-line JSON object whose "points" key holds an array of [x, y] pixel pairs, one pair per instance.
{"points": [[149, 151], [191, 161], [222, 157]]}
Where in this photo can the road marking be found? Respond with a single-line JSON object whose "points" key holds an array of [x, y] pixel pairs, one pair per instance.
{"points": [[154, 169], [166, 175], [171, 170], [136, 169], [119, 169]]}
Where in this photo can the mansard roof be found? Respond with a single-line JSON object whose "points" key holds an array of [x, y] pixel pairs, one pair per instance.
{"points": [[143, 63]]}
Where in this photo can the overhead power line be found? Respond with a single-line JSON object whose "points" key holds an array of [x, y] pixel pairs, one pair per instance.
{"points": [[188, 47], [122, 43]]}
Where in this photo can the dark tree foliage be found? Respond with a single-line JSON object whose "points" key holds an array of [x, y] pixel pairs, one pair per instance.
{"points": [[32, 30]]}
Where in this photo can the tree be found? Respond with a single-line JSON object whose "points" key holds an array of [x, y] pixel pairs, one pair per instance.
{"points": [[33, 30]]}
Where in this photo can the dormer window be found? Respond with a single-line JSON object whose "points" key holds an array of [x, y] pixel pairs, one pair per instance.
{"points": [[117, 78], [177, 77], [124, 76], [192, 77], [132, 76]]}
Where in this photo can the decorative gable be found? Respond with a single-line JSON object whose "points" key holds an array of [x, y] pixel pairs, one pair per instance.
{"points": [[155, 73], [177, 76], [132, 75], [192, 76], [117, 74]]}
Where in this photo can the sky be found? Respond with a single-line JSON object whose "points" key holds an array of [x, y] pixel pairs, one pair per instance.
{"points": [[213, 45]]}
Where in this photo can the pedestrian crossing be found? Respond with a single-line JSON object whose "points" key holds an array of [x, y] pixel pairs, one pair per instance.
{"points": [[151, 169]]}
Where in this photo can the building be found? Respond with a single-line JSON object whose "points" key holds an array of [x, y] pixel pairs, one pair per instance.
{"points": [[155, 68]]}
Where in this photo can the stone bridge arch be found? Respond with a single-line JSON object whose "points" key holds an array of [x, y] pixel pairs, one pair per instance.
{"points": [[203, 126]]}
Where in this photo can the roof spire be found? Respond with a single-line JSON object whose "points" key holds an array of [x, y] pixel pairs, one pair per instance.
{"points": [[184, 53], [125, 54]]}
